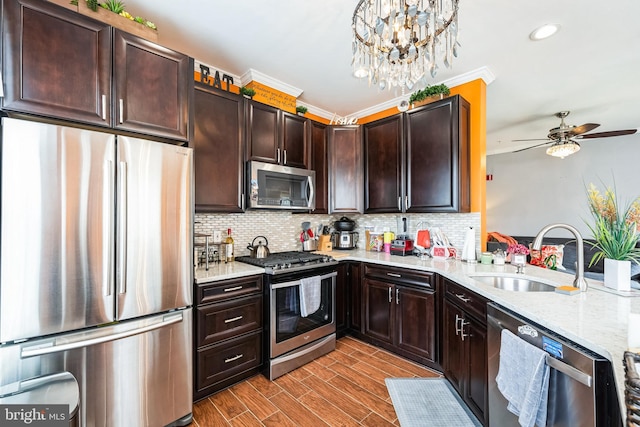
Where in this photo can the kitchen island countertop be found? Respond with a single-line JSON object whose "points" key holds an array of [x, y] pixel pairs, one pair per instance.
{"points": [[598, 320]]}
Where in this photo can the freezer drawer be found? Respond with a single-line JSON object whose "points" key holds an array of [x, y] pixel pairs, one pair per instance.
{"points": [[136, 373]]}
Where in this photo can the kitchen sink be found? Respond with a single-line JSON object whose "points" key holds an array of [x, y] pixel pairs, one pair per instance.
{"points": [[516, 284]]}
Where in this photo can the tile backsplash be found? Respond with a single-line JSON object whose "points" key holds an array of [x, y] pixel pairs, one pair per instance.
{"points": [[282, 229]]}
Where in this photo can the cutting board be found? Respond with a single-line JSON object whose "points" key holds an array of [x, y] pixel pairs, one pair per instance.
{"points": [[334, 254]]}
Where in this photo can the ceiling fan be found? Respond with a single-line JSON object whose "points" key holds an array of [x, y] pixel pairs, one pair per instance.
{"points": [[564, 138]]}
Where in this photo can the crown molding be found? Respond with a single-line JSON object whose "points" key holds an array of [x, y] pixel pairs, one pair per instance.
{"points": [[483, 73], [276, 84]]}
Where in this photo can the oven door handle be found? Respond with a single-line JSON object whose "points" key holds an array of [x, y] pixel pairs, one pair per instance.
{"points": [[297, 282]]}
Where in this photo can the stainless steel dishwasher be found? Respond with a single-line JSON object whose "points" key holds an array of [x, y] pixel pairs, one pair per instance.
{"points": [[581, 387]]}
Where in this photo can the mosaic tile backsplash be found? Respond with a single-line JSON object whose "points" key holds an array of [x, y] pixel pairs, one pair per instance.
{"points": [[282, 229]]}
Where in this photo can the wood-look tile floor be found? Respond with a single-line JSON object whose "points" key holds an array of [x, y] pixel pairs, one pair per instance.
{"points": [[343, 388]]}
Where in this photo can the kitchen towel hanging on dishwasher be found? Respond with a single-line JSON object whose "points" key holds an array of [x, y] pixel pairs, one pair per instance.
{"points": [[523, 379], [310, 295]]}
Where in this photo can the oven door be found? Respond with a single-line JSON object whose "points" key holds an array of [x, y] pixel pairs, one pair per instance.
{"points": [[289, 329]]}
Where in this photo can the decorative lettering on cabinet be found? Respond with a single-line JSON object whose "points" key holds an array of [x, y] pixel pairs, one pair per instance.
{"points": [[205, 77], [338, 120]]}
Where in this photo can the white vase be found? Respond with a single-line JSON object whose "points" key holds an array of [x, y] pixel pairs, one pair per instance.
{"points": [[617, 274]]}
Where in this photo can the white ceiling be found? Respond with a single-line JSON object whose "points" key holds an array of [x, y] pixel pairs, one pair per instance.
{"points": [[590, 67]]}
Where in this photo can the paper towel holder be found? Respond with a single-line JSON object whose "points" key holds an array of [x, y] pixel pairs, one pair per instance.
{"points": [[469, 249]]}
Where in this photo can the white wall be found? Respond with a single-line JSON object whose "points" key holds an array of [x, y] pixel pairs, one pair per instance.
{"points": [[531, 189]]}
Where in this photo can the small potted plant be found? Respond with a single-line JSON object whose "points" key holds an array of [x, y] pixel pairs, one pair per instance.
{"points": [[436, 92], [616, 231], [247, 92], [301, 110]]}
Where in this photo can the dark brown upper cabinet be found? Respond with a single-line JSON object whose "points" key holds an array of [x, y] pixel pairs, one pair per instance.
{"points": [[58, 63], [419, 161], [437, 152], [345, 169], [384, 165], [218, 143], [319, 163], [55, 62], [151, 86], [275, 136]]}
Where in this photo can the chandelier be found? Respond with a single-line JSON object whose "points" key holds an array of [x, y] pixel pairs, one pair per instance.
{"points": [[563, 147], [396, 42]]}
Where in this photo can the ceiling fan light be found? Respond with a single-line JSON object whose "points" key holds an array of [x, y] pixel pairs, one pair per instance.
{"points": [[543, 32], [563, 149]]}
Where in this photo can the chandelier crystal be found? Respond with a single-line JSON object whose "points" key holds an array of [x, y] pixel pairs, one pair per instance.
{"points": [[397, 42]]}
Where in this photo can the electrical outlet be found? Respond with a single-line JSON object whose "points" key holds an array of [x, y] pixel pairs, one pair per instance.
{"points": [[217, 236]]}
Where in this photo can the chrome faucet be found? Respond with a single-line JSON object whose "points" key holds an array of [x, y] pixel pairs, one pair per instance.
{"points": [[579, 282]]}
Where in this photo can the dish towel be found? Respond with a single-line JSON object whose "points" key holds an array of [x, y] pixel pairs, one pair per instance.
{"points": [[310, 295], [523, 379]]}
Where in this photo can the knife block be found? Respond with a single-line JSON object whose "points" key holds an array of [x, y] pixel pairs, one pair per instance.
{"points": [[324, 243]]}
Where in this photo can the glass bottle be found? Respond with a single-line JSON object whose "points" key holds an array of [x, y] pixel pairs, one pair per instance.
{"points": [[229, 247]]}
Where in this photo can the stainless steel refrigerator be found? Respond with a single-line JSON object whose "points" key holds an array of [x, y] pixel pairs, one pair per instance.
{"points": [[96, 270]]}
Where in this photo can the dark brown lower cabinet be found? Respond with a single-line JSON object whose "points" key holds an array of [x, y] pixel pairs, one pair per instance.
{"points": [[228, 333], [464, 352], [400, 312]]}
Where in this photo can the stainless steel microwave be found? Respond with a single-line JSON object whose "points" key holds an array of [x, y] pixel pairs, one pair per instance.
{"points": [[281, 187]]}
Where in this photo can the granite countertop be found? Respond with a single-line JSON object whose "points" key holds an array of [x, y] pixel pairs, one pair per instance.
{"points": [[225, 270], [596, 319]]}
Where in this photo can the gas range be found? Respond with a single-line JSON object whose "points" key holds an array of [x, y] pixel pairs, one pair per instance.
{"points": [[289, 262]]}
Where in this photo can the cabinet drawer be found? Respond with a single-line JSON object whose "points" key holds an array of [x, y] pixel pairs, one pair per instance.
{"points": [[399, 275], [468, 300], [218, 291], [221, 361], [217, 322]]}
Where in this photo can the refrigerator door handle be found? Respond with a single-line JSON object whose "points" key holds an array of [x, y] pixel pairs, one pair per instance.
{"points": [[122, 228], [51, 347], [107, 211]]}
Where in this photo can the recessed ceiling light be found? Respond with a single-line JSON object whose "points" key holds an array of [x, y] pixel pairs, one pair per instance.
{"points": [[543, 32]]}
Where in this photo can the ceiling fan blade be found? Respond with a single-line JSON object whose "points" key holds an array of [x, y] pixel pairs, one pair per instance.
{"points": [[578, 130], [535, 139], [533, 146], [608, 134]]}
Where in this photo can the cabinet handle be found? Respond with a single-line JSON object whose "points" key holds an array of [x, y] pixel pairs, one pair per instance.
{"points": [[397, 296], [231, 359], [406, 203], [121, 103], [242, 202], [463, 297], [236, 288], [394, 275], [400, 204], [284, 157], [278, 157], [458, 321], [233, 319], [390, 295], [104, 107], [462, 325]]}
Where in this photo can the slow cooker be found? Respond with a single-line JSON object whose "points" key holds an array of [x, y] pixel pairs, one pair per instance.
{"points": [[344, 239]]}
